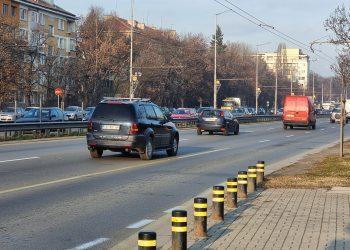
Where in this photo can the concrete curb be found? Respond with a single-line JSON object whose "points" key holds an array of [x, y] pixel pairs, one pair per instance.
{"points": [[163, 225]]}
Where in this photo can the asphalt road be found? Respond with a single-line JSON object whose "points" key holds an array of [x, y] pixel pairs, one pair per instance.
{"points": [[53, 196]]}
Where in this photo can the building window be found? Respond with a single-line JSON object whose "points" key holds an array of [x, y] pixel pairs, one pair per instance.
{"points": [[41, 19], [51, 30], [60, 24], [61, 43], [50, 50], [72, 45], [13, 11], [42, 59], [34, 17], [23, 14], [5, 9], [23, 34]]}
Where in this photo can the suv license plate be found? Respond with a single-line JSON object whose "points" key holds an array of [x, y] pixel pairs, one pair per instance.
{"points": [[210, 119], [110, 127]]}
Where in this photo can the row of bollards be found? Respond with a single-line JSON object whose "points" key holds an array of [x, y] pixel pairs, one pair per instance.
{"points": [[246, 182]]}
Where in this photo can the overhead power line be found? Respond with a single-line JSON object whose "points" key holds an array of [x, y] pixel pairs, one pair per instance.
{"points": [[271, 29]]}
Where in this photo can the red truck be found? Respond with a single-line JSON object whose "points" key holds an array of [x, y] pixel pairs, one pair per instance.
{"points": [[298, 111]]}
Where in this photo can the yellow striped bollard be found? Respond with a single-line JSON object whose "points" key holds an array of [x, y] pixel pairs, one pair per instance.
{"points": [[242, 185], [251, 179], [200, 217], [231, 192], [179, 229], [260, 173], [218, 203], [147, 241]]}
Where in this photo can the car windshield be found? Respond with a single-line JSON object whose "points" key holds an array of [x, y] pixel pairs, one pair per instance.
{"points": [[336, 110], [181, 111], [9, 110], [71, 109], [34, 113], [106, 111]]}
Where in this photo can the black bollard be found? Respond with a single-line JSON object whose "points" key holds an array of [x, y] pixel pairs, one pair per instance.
{"points": [[218, 203], [231, 193], [147, 241], [179, 229], [251, 179], [242, 185], [200, 217]]}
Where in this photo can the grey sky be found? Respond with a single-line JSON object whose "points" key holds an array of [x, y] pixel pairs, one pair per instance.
{"points": [[301, 19]]}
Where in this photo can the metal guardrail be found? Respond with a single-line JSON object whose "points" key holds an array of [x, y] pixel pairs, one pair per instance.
{"points": [[9, 130]]}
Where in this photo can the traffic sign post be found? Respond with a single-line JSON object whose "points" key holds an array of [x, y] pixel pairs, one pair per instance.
{"points": [[58, 93]]}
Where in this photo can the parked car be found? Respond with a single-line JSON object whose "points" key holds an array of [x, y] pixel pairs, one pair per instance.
{"points": [[335, 116], [47, 115], [184, 113], [131, 126], [74, 113], [199, 111], [240, 111], [261, 111], [216, 120], [11, 114], [88, 113], [298, 111]]}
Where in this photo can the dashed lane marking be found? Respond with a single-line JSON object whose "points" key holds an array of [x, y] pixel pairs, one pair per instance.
{"points": [[90, 244], [288, 136], [140, 223], [173, 208], [20, 159], [264, 141]]}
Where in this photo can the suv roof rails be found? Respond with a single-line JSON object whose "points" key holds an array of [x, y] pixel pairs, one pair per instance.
{"points": [[125, 99]]}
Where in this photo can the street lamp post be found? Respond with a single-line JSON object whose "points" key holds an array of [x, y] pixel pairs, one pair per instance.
{"points": [[257, 92], [131, 49]]}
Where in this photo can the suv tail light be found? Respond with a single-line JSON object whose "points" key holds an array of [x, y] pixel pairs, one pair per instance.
{"points": [[90, 126], [222, 114], [134, 129]]}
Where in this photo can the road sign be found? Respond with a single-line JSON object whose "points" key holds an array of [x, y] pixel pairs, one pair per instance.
{"points": [[134, 78], [58, 91]]}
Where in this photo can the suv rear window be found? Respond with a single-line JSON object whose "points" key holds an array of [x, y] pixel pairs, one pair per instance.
{"points": [[119, 112], [210, 113]]}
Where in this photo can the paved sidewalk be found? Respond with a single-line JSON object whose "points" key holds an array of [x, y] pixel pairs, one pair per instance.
{"points": [[285, 219]]}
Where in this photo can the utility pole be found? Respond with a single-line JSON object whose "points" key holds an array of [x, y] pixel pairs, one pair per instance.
{"points": [[330, 90], [215, 55], [291, 84], [276, 84], [342, 103], [131, 50], [313, 85], [257, 80], [322, 94]]}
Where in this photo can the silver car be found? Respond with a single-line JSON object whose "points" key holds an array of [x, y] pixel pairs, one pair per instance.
{"points": [[336, 116], [74, 113], [11, 114]]}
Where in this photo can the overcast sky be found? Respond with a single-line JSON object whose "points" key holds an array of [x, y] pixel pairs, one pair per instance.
{"points": [[301, 19]]}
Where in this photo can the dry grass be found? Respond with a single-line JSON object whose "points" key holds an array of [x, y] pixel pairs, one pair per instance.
{"points": [[326, 171]]}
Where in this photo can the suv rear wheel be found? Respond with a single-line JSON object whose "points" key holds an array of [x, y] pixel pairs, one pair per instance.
{"points": [[148, 152], [236, 130], [96, 153], [199, 131], [174, 148]]}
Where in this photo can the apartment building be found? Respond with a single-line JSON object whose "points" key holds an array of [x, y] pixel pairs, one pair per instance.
{"points": [[9, 10], [291, 62]]}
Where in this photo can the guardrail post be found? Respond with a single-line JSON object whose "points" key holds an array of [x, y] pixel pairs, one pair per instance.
{"points": [[251, 179], [231, 193], [147, 241], [218, 203], [179, 229], [260, 172], [200, 217], [242, 185]]}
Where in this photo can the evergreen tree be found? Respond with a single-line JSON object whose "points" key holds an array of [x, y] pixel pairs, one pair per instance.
{"points": [[219, 39]]}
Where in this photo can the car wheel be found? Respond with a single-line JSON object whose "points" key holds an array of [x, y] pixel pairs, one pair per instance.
{"points": [[291, 127], [148, 152], [236, 130], [96, 153], [199, 131], [285, 127], [75, 118], [125, 153], [174, 147], [332, 121], [211, 132], [313, 126]]}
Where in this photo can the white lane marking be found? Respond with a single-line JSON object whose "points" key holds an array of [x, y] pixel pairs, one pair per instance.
{"points": [[271, 128], [21, 159], [90, 244], [106, 172], [264, 141], [184, 139], [288, 136], [322, 129], [307, 132], [248, 131], [202, 153], [173, 208], [139, 224], [333, 127]]}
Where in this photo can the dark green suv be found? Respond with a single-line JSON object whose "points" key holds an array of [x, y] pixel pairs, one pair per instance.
{"points": [[130, 125]]}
